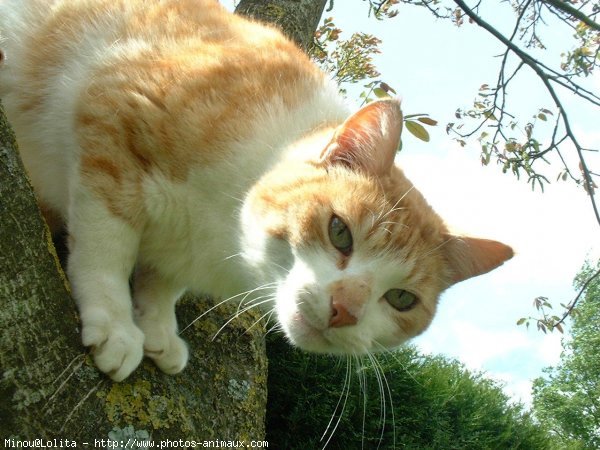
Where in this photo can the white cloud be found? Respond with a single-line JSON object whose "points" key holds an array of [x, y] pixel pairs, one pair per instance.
{"points": [[549, 349], [519, 389], [514, 356], [472, 344], [549, 230]]}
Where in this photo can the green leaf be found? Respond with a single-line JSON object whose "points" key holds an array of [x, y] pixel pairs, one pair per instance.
{"points": [[427, 121], [485, 158], [380, 93], [521, 321], [542, 116], [386, 87], [417, 130], [490, 115]]}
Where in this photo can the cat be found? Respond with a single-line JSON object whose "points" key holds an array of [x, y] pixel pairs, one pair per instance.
{"points": [[199, 150]]}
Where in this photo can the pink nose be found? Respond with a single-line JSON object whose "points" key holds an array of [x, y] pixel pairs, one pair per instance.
{"points": [[340, 316]]}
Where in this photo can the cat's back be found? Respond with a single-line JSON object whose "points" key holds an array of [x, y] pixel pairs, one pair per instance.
{"points": [[140, 77], [43, 40]]}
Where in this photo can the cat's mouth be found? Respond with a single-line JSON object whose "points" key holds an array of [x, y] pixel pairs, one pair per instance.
{"points": [[305, 335]]}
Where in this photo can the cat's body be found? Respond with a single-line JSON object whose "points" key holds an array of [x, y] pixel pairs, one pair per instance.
{"points": [[97, 83], [206, 152]]}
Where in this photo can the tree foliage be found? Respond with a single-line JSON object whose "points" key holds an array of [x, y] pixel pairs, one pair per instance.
{"points": [[567, 398], [396, 400], [348, 61]]}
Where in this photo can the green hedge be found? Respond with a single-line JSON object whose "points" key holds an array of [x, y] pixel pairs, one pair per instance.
{"points": [[437, 404]]}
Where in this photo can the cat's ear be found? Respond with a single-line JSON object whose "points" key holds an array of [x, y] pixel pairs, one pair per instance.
{"points": [[367, 140], [471, 256]]}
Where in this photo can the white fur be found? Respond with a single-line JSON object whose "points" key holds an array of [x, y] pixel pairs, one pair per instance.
{"points": [[304, 305], [47, 142], [195, 237]]}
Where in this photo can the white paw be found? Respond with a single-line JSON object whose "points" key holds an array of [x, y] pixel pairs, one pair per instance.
{"points": [[168, 351], [117, 345]]}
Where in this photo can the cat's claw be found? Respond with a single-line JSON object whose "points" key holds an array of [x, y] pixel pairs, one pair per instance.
{"points": [[168, 351], [117, 347]]}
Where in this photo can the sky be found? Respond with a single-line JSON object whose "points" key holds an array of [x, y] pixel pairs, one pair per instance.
{"points": [[436, 67]]}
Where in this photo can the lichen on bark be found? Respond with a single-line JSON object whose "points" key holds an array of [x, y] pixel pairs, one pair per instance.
{"points": [[298, 19]]}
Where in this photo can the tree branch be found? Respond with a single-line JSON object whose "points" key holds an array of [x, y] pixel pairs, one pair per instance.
{"points": [[574, 302], [565, 7], [538, 68]]}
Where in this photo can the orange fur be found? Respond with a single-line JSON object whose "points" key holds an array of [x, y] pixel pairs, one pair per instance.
{"points": [[207, 152], [176, 102]]}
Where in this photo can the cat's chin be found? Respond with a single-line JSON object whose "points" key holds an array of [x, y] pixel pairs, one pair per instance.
{"points": [[307, 337]]}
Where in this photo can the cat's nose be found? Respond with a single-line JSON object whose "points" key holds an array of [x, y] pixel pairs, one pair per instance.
{"points": [[340, 316]]}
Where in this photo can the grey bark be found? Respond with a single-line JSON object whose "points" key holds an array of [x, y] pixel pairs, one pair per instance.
{"points": [[298, 19]]}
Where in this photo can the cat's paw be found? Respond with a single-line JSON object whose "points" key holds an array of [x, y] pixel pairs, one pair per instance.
{"points": [[117, 345], [168, 351]]}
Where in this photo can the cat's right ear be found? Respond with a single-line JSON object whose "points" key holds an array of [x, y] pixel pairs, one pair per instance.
{"points": [[368, 140], [470, 256]]}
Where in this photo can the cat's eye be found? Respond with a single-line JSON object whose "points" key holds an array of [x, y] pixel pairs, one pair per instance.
{"points": [[340, 235], [400, 299]]}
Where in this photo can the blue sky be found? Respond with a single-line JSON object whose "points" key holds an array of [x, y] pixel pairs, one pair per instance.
{"points": [[436, 67]]}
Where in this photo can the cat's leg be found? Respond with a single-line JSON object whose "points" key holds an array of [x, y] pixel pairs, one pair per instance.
{"points": [[103, 250], [154, 300]]}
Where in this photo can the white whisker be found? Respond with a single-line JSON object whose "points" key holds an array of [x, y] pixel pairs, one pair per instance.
{"points": [[268, 313], [397, 224], [387, 390], [253, 300], [343, 394], [436, 248], [362, 380], [246, 293], [391, 353], [276, 326], [395, 207], [232, 256], [382, 400], [238, 313]]}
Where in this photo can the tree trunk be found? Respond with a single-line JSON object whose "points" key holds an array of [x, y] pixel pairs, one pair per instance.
{"points": [[50, 387], [298, 19]]}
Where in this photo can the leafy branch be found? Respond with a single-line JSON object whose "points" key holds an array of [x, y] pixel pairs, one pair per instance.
{"points": [[550, 322], [530, 150], [351, 61]]}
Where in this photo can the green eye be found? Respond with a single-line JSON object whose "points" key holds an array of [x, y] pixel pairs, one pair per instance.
{"points": [[340, 236], [401, 300]]}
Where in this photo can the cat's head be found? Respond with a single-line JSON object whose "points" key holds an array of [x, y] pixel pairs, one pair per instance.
{"points": [[365, 258]]}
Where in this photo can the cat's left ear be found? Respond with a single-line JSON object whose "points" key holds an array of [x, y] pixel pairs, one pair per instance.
{"points": [[367, 140], [471, 256]]}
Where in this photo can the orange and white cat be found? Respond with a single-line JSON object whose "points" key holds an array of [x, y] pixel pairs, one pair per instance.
{"points": [[202, 151]]}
